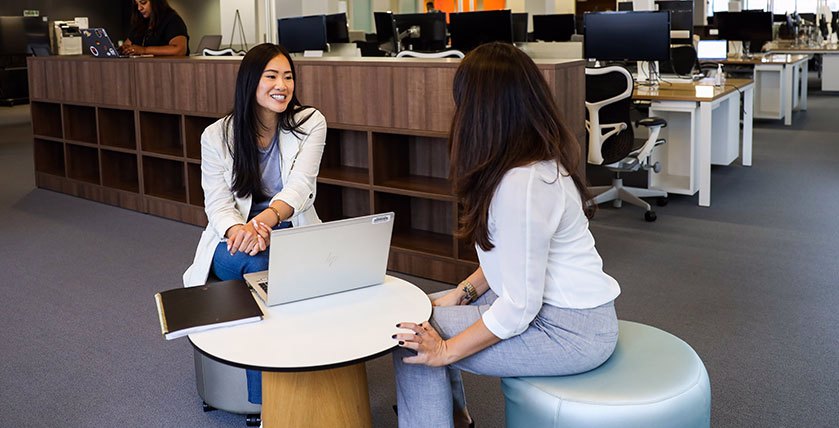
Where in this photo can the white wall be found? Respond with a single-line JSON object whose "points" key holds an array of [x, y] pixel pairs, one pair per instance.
{"points": [[202, 17]]}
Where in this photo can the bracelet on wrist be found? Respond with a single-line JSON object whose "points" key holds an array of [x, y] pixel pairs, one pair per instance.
{"points": [[469, 289], [277, 213]]}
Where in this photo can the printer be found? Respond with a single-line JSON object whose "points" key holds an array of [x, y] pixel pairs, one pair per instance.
{"points": [[68, 38]]}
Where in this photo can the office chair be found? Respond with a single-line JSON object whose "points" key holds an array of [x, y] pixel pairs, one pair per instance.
{"points": [[611, 139], [682, 59], [451, 53]]}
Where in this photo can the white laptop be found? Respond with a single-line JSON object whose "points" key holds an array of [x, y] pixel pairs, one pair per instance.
{"points": [[320, 259], [710, 50]]}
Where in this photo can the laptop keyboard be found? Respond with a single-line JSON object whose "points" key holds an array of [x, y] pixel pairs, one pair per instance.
{"points": [[263, 284]]}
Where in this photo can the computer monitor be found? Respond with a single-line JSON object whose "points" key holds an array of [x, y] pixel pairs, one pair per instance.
{"points": [[520, 27], [625, 6], [712, 50], [627, 36], [681, 15], [337, 30], [422, 32], [386, 32], [754, 27], [472, 29], [23, 35], [303, 33], [554, 28]]}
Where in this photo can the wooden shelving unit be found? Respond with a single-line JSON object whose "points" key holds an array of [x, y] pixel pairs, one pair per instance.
{"points": [[386, 148]]}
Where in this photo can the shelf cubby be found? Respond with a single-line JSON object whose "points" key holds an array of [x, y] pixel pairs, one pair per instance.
{"points": [[164, 178], [83, 163], [46, 119], [339, 202], [161, 133], [196, 192], [49, 157], [345, 157], [119, 170], [80, 123], [422, 225], [193, 128], [466, 252], [411, 163], [116, 128]]}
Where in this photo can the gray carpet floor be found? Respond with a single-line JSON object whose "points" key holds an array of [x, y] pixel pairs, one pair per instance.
{"points": [[751, 282]]}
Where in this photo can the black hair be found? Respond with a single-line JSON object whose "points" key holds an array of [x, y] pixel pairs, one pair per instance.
{"points": [[247, 179]]}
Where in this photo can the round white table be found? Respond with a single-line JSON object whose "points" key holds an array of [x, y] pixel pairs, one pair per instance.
{"points": [[312, 352]]}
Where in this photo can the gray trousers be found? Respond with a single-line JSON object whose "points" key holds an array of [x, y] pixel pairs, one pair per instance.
{"points": [[557, 342]]}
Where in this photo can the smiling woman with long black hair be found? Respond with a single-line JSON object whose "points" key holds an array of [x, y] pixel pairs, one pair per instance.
{"points": [[156, 29]]}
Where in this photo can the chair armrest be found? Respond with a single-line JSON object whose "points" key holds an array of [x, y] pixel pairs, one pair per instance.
{"points": [[652, 121]]}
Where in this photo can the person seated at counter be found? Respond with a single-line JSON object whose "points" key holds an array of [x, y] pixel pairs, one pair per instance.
{"points": [[540, 303], [156, 29]]}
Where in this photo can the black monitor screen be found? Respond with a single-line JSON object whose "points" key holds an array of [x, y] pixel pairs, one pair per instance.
{"points": [[472, 29], [627, 36], [554, 28], [21, 35], [304, 33], [681, 13], [337, 30], [423, 32], [520, 27], [753, 27], [625, 6], [385, 30]]}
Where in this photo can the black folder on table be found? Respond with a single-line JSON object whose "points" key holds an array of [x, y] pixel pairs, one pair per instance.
{"points": [[184, 311]]}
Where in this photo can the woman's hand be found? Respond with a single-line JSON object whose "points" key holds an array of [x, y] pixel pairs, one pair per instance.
{"points": [[452, 298], [243, 238], [431, 348], [123, 48], [263, 237], [136, 50]]}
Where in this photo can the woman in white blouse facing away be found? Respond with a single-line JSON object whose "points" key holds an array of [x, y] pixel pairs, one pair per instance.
{"points": [[540, 303]]}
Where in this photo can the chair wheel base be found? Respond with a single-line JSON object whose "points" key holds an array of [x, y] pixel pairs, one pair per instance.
{"points": [[662, 201], [253, 420], [650, 216]]}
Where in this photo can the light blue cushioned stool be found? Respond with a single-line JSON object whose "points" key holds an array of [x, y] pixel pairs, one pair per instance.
{"points": [[653, 379]]}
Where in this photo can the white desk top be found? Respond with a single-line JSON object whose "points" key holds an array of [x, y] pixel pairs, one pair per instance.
{"points": [[318, 333]]}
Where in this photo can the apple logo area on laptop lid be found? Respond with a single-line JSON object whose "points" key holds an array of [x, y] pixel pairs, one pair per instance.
{"points": [[320, 259]]}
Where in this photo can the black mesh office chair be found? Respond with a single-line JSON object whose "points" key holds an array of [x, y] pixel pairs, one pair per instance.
{"points": [[683, 59], [611, 137]]}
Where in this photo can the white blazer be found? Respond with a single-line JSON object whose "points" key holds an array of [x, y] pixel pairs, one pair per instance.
{"points": [[300, 158]]}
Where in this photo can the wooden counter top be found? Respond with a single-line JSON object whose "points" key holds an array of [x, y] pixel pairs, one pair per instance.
{"points": [[686, 91]]}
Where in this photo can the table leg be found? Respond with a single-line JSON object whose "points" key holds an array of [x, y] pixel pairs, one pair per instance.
{"points": [[805, 73], [748, 114], [704, 151], [323, 398], [787, 94]]}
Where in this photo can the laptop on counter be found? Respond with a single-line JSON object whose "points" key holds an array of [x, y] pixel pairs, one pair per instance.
{"points": [[320, 259], [98, 44]]}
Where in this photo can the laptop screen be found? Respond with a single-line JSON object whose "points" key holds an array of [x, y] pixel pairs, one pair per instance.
{"points": [[712, 50]]}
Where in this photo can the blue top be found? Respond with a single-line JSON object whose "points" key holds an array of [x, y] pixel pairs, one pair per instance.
{"points": [[272, 179]]}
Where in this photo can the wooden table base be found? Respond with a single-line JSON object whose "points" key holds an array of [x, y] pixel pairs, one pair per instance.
{"points": [[323, 398]]}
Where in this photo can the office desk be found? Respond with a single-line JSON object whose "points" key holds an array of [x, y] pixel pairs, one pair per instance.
{"points": [[830, 60], [700, 131], [780, 84], [312, 352]]}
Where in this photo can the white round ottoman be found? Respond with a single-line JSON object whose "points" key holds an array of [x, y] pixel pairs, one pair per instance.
{"points": [[653, 379]]}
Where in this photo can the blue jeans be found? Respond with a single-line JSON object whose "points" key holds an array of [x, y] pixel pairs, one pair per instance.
{"points": [[227, 267]]}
